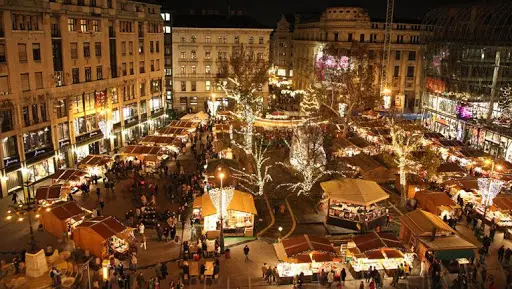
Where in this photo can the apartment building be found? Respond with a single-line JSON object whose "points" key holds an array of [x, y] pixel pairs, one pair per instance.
{"points": [[346, 25], [167, 17], [200, 42], [77, 77], [281, 47]]}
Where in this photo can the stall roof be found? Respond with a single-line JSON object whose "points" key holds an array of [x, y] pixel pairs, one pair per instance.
{"points": [[65, 210], [183, 124], [450, 143], [467, 183], [393, 253], [374, 241], [142, 150], [437, 199], [241, 202], [68, 175], [473, 153], [174, 131], [354, 191], [160, 140], [454, 242], [449, 168], [95, 160], [49, 192], [423, 223], [365, 162], [305, 244], [322, 257], [105, 226], [375, 255], [432, 135], [222, 127], [503, 202]]}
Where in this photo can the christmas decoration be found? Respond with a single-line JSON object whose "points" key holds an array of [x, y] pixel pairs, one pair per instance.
{"points": [[489, 188], [221, 198], [261, 177], [309, 104]]}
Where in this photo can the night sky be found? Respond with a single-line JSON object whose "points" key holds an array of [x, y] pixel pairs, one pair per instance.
{"points": [[268, 12]]}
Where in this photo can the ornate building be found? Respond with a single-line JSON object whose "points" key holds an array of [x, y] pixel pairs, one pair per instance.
{"points": [[77, 77]]}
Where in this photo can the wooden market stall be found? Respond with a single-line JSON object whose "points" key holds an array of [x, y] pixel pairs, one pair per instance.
{"points": [[191, 125], [61, 218], [382, 251], [353, 204], [369, 168], [47, 195], [72, 177], [307, 254], [239, 215], [95, 165], [430, 236], [175, 131], [103, 236], [437, 203], [450, 170], [171, 143]]}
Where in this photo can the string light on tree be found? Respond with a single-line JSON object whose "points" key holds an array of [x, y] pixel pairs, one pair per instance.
{"points": [[489, 188], [262, 175]]}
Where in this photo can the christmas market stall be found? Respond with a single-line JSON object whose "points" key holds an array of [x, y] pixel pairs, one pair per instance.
{"points": [[190, 125], [103, 236], [382, 251], [342, 147], [71, 177], [47, 195], [238, 211], [305, 254], [450, 170], [175, 132], [172, 144], [95, 165], [369, 168], [437, 203], [149, 155], [61, 218], [354, 204], [431, 237]]}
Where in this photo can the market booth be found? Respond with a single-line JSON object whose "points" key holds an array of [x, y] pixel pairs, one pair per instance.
{"points": [[95, 165], [150, 155], [239, 211], [382, 251], [103, 236], [307, 254], [437, 203], [175, 131], [61, 218], [171, 143], [47, 195], [353, 204], [71, 177], [190, 125], [429, 235]]}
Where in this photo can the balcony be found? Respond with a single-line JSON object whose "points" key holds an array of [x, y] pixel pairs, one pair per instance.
{"points": [[56, 33], [58, 78]]}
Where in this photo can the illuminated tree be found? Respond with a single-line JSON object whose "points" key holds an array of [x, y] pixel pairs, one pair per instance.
{"points": [[258, 179], [242, 79], [309, 104], [403, 143]]}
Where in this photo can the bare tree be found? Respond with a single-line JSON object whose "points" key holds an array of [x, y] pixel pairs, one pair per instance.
{"points": [[242, 79], [262, 176]]}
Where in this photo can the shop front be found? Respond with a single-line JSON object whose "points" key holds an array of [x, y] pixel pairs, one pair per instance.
{"points": [[40, 164], [89, 143], [64, 154], [12, 165], [131, 131]]}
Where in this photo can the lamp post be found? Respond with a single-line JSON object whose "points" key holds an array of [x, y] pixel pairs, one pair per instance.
{"points": [[221, 177]]}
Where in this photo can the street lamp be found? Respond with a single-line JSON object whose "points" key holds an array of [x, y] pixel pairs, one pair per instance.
{"points": [[221, 177], [22, 209], [280, 231]]}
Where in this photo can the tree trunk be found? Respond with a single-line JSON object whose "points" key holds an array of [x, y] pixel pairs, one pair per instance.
{"points": [[248, 136], [403, 182]]}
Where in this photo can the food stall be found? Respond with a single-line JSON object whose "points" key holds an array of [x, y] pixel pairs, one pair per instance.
{"points": [[61, 218], [150, 155], [426, 232], [190, 125], [238, 211], [95, 165], [307, 254], [195, 117], [450, 170], [500, 212], [172, 144], [71, 177], [353, 204], [438, 203], [175, 132], [104, 236], [382, 251], [47, 195]]}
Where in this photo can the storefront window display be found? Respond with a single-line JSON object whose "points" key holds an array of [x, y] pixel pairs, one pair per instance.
{"points": [[13, 180], [131, 134], [85, 124], [155, 103], [130, 111], [37, 139], [63, 131], [41, 170], [10, 148]]}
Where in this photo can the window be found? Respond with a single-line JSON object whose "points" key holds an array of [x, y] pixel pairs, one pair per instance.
{"points": [[97, 49], [71, 24], [207, 54], [63, 131], [207, 85], [87, 50], [42, 107], [152, 65], [208, 39], [123, 68], [39, 80], [237, 40], [99, 72], [88, 74], [83, 25], [410, 71], [4, 84], [141, 67], [336, 36], [74, 50], [123, 48], [260, 40], [373, 37], [183, 55], [131, 68], [151, 47], [397, 55], [36, 51], [142, 89], [193, 54], [2, 53], [193, 69], [35, 116], [168, 71], [183, 86], [361, 37], [193, 39], [25, 82], [349, 38], [26, 116], [96, 25], [399, 39], [22, 52], [157, 46], [412, 55], [75, 72], [62, 108], [130, 47], [157, 65], [396, 72], [193, 86], [167, 29], [182, 69], [207, 69], [251, 40], [260, 55], [141, 46]]}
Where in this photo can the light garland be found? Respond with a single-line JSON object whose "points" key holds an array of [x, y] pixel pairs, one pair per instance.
{"points": [[226, 194], [261, 177], [489, 188]]}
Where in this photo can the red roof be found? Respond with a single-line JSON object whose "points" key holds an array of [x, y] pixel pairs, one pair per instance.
{"points": [[374, 241], [305, 244], [48, 192], [142, 150], [105, 226], [68, 175], [66, 210]]}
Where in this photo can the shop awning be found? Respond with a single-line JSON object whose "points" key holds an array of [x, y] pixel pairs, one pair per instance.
{"points": [[423, 223], [354, 191], [95, 161], [49, 192], [68, 175]]}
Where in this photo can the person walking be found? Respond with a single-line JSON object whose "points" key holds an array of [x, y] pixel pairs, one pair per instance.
{"points": [[361, 285], [422, 269], [164, 270], [330, 279], [263, 270], [143, 242], [14, 198], [501, 253], [343, 275], [246, 253], [133, 262]]}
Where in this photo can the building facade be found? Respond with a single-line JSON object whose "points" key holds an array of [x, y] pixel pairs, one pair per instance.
{"points": [[200, 44], [346, 25], [281, 49], [77, 77], [167, 17]]}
